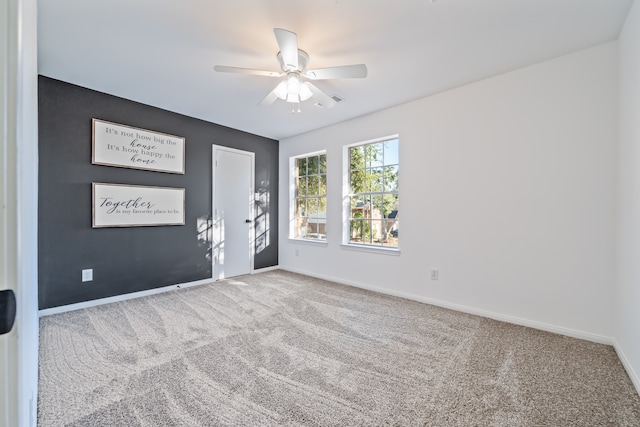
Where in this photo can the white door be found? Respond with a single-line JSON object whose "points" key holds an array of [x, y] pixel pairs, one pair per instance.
{"points": [[233, 206]]}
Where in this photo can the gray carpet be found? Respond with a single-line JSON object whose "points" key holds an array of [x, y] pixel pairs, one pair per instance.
{"points": [[279, 348]]}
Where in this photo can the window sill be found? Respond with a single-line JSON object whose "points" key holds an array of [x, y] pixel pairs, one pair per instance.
{"points": [[371, 249], [313, 242]]}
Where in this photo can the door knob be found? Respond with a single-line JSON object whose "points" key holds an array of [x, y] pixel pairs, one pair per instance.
{"points": [[7, 310], [248, 221]]}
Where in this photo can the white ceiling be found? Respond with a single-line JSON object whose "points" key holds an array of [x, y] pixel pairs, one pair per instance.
{"points": [[162, 52]]}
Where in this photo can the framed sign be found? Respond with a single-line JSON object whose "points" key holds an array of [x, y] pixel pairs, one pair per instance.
{"points": [[120, 205], [129, 147]]}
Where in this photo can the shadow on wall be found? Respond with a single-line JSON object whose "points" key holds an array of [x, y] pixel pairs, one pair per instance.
{"points": [[261, 223], [216, 243], [204, 233]]}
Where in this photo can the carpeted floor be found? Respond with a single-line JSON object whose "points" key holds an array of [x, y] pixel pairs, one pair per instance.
{"points": [[279, 348]]}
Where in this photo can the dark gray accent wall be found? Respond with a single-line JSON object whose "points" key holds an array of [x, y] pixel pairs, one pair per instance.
{"points": [[131, 259]]}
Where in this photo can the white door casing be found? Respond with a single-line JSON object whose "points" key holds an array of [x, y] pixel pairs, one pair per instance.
{"points": [[8, 222], [18, 209], [233, 211]]}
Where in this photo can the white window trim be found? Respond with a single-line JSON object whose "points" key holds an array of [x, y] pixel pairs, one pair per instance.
{"points": [[385, 250], [346, 211], [292, 198], [312, 242]]}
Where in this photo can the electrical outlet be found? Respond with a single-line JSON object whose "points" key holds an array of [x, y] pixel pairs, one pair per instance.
{"points": [[297, 252], [87, 275], [434, 274]]}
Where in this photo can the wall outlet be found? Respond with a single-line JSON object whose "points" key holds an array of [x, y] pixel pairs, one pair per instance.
{"points": [[297, 252], [434, 274], [87, 275]]}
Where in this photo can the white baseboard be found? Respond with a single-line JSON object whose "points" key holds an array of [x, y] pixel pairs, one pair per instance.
{"points": [[265, 269], [101, 301], [93, 303], [635, 379], [466, 309]]}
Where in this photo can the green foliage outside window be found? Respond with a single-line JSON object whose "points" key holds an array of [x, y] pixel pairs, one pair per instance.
{"points": [[373, 184], [311, 196]]}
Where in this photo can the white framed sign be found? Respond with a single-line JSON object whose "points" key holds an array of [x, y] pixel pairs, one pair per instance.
{"points": [[129, 147], [121, 205]]}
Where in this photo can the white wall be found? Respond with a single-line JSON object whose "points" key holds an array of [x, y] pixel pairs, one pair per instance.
{"points": [[507, 186], [627, 296]]}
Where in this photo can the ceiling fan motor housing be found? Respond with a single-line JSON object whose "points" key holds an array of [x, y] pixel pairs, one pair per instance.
{"points": [[303, 60]]}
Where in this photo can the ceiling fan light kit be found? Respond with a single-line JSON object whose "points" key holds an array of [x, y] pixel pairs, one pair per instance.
{"points": [[293, 62], [292, 90]]}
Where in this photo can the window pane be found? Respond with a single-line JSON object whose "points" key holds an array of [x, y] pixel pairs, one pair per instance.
{"points": [[322, 217], [392, 234], [391, 152], [377, 233], [368, 155], [376, 176], [391, 178], [356, 157], [374, 154], [323, 164], [302, 166], [389, 205], [359, 231], [317, 219], [313, 183], [312, 207], [301, 208], [367, 237], [300, 226], [369, 180], [323, 185], [312, 230], [312, 165], [357, 207], [322, 207], [376, 206], [358, 181], [301, 187]]}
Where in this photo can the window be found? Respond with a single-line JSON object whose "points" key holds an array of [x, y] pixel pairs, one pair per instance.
{"points": [[372, 199], [309, 216]]}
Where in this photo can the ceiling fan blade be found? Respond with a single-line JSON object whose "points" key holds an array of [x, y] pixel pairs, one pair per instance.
{"points": [[288, 43], [323, 100], [269, 99], [357, 71], [237, 70]]}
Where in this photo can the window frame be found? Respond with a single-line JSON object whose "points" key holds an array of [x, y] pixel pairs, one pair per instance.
{"points": [[346, 199], [293, 198]]}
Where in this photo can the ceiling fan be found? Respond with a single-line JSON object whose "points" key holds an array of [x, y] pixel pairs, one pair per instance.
{"points": [[295, 87]]}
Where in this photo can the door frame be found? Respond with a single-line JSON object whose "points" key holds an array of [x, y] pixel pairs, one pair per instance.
{"points": [[19, 172], [252, 231]]}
